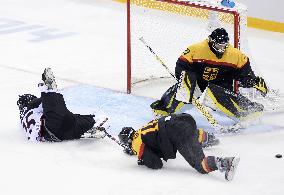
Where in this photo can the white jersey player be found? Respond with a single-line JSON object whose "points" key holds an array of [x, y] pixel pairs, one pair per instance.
{"points": [[48, 119]]}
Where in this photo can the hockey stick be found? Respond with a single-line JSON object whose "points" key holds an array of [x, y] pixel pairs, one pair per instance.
{"points": [[111, 137], [115, 140], [213, 122], [100, 128], [92, 134], [157, 57]]}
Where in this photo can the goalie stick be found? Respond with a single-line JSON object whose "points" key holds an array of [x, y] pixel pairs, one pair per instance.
{"points": [[213, 122]]}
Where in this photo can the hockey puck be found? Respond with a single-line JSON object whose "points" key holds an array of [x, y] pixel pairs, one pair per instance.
{"points": [[278, 155]]}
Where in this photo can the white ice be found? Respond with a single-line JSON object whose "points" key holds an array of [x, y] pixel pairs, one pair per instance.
{"points": [[84, 42]]}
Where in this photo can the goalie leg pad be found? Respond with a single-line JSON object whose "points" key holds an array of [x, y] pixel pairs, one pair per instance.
{"points": [[229, 103], [187, 88]]}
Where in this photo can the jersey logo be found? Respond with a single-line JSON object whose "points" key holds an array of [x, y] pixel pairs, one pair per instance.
{"points": [[168, 118], [210, 74], [186, 51]]}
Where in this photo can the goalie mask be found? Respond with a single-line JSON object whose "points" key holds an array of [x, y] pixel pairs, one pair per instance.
{"points": [[218, 41]]}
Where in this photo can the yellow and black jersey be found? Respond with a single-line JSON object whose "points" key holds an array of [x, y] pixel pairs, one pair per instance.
{"points": [[199, 58], [153, 136], [137, 143]]}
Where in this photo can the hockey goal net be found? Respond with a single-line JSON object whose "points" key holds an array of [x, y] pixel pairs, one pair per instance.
{"points": [[168, 27]]}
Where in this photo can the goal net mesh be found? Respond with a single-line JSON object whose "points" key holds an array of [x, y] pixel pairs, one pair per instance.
{"points": [[169, 27]]}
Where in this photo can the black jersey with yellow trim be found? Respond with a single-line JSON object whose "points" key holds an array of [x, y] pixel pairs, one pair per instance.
{"points": [[208, 68], [154, 136]]}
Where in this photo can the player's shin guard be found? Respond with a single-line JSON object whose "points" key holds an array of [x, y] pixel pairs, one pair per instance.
{"points": [[231, 104]]}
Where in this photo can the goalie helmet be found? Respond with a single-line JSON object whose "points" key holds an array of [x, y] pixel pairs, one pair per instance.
{"points": [[24, 100], [219, 41]]}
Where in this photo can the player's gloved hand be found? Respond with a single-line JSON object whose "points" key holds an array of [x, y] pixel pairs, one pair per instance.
{"points": [[99, 129], [140, 162], [101, 122], [260, 85], [99, 134], [94, 133], [127, 150]]}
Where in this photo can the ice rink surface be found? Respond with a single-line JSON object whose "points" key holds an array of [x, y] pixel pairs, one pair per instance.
{"points": [[84, 42]]}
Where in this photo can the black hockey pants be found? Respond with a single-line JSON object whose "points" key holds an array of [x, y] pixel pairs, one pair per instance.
{"points": [[61, 124], [183, 134]]}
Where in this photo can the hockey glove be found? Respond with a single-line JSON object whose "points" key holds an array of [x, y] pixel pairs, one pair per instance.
{"points": [[95, 132], [127, 150], [99, 128], [140, 162], [99, 133], [260, 85], [101, 122]]}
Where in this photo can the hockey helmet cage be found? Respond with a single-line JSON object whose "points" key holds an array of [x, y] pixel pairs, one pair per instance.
{"points": [[219, 40], [126, 135]]}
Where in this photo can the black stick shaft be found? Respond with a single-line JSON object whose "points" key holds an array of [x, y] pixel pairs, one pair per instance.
{"points": [[115, 140]]}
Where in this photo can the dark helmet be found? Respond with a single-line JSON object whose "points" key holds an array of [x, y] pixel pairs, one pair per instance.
{"points": [[24, 100], [218, 41], [126, 135]]}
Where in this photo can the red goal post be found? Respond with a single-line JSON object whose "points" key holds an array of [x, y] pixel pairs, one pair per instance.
{"points": [[168, 23]]}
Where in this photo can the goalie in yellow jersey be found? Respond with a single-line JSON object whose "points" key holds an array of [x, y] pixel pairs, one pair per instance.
{"points": [[210, 67]]}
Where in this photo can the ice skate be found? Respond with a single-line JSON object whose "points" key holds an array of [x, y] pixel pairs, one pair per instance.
{"points": [[49, 79], [228, 165]]}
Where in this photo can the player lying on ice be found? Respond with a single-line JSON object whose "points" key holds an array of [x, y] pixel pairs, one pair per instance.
{"points": [[211, 67], [48, 119], [162, 138]]}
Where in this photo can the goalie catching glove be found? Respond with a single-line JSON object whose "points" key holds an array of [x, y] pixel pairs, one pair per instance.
{"points": [[260, 85]]}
